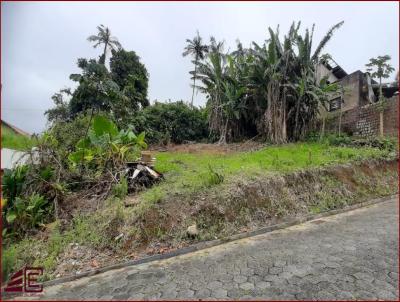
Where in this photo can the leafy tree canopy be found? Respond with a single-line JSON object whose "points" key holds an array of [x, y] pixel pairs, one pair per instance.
{"points": [[131, 76], [380, 68], [119, 92]]}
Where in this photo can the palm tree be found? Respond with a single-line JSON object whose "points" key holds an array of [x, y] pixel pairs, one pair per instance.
{"points": [[104, 37], [215, 47], [195, 48]]}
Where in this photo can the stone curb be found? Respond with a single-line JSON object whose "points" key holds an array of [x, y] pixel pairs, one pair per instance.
{"points": [[208, 244]]}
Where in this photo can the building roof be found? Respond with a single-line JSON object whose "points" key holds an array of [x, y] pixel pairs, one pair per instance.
{"points": [[335, 68], [15, 129], [338, 71]]}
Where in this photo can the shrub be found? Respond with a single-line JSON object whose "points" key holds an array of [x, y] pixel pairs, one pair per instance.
{"points": [[106, 147], [312, 136], [338, 140], [12, 183], [26, 214], [171, 122], [383, 143], [68, 133]]}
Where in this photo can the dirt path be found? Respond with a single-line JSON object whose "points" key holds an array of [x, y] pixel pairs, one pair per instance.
{"points": [[346, 256]]}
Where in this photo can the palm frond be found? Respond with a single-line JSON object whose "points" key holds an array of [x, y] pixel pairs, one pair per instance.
{"points": [[325, 40]]}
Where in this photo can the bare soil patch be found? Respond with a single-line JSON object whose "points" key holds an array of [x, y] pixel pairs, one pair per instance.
{"points": [[211, 149]]}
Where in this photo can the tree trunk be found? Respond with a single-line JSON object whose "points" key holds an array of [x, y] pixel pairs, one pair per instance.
{"points": [[194, 81], [222, 139], [322, 128], [104, 53], [296, 119], [381, 123], [274, 116], [284, 133]]}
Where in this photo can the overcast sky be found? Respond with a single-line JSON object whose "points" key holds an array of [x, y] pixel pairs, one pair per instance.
{"points": [[40, 42]]}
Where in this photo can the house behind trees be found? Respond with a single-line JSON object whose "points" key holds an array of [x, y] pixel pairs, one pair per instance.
{"points": [[354, 109]]}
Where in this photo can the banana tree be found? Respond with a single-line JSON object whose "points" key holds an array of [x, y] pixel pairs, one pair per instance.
{"points": [[212, 74], [233, 109]]}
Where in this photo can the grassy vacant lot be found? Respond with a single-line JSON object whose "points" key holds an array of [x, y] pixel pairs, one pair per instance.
{"points": [[192, 172], [11, 140], [221, 192]]}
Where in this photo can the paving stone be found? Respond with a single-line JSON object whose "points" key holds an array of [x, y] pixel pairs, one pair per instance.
{"points": [[203, 293], [246, 286], [219, 293], [364, 277], [169, 293], [275, 270], [263, 285], [350, 256], [280, 263], [214, 285], [185, 294], [240, 279]]}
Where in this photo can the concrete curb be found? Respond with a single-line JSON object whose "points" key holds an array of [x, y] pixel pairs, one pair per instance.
{"points": [[208, 244]]}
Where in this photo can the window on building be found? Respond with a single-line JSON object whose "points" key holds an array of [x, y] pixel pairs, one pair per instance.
{"points": [[335, 104]]}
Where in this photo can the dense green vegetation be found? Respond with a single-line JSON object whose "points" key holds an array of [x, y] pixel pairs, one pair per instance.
{"points": [[11, 140], [172, 122], [32, 192], [121, 94], [270, 90]]}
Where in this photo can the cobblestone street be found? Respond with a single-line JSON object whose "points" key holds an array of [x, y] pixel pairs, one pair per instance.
{"points": [[347, 256]]}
